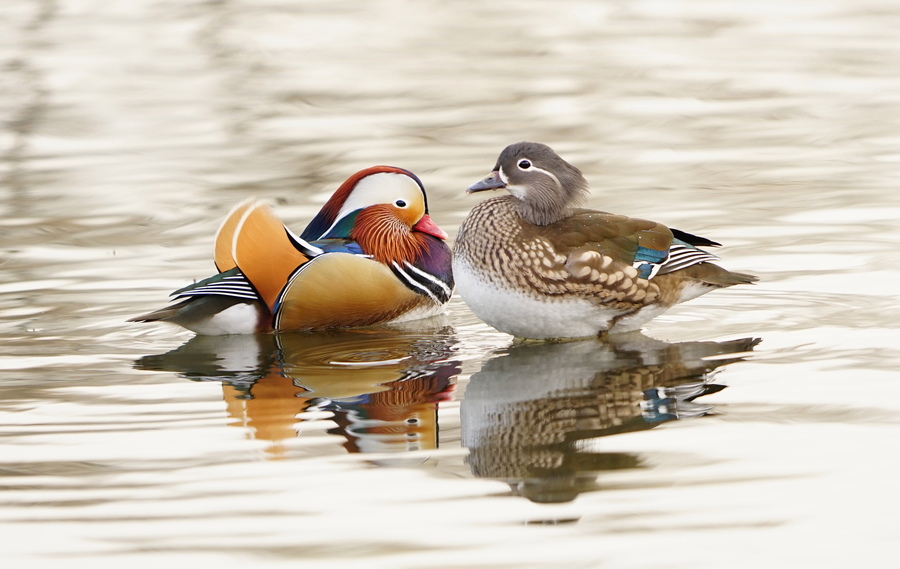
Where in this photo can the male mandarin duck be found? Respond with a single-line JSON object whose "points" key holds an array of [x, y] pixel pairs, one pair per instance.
{"points": [[372, 255], [532, 265]]}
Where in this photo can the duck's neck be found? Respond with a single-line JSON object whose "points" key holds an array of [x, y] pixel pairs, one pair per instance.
{"points": [[384, 237], [545, 204], [542, 214]]}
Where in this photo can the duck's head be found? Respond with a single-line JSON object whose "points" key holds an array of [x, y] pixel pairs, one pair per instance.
{"points": [[373, 199], [546, 186]]}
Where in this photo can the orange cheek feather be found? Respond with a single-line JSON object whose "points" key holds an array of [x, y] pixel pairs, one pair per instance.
{"points": [[383, 235]]}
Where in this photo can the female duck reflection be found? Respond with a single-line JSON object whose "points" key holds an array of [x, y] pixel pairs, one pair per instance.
{"points": [[381, 386], [524, 412]]}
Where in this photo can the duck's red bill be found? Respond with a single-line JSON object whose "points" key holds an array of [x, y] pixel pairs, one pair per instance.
{"points": [[426, 225]]}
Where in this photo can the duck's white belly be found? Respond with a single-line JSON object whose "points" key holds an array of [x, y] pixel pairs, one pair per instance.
{"points": [[241, 318], [528, 316]]}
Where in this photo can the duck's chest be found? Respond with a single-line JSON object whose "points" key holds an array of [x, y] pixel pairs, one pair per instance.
{"points": [[520, 312], [515, 279], [489, 236], [497, 246]]}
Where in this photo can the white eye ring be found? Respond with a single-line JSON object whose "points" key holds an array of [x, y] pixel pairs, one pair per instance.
{"points": [[524, 164], [400, 203]]}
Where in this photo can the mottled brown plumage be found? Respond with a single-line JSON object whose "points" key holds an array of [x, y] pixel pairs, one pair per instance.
{"points": [[551, 260], [527, 411], [526, 262]]}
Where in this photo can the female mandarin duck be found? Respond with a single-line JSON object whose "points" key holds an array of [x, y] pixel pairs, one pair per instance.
{"points": [[531, 265], [372, 255]]}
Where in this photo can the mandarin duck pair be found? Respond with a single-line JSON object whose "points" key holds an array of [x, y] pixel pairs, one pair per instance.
{"points": [[528, 263]]}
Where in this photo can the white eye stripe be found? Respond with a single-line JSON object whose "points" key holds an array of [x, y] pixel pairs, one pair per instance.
{"points": [[373, 189], [533, 168], [545, 172]]}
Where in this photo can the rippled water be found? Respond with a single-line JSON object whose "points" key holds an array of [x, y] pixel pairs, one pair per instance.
{"points": [[129, 130]]}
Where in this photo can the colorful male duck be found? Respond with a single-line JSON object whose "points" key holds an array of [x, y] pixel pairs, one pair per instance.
{"points": [[372, 255], [531, 265]]}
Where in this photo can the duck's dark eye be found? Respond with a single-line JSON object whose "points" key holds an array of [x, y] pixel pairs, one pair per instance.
{"points": [[400, 203], [524, 164]]}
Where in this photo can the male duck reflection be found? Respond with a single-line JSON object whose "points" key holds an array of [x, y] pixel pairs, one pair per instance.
{"points": [[526, 415], [531, 265], [372, 255], [380, 386]]}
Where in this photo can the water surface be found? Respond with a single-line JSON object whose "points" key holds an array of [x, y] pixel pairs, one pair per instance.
{"points": [[753, 426]]}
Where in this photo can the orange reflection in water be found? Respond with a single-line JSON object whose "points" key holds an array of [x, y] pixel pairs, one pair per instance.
{"points": [[380, 387]]}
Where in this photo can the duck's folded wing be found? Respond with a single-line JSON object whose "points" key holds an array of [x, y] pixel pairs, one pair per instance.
{"points": [[620, 240], [648, 246], [683, 255], [342, 290]]}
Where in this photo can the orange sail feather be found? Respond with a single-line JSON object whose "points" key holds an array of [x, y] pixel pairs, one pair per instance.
{"points": [[225, 236], [259, 238]]}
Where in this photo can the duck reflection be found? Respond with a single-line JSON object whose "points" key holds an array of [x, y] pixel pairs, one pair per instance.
{"points": [[525, 411], [380, 386]]}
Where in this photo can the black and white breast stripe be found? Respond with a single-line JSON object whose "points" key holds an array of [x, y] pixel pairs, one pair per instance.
{"points": [[681, 256], [422, 282], [230, 283]]}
